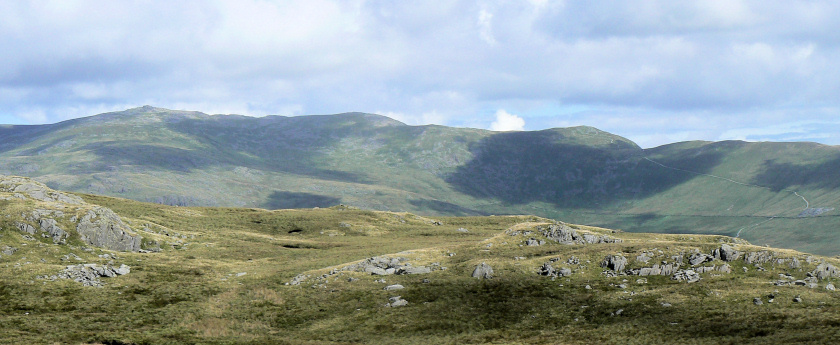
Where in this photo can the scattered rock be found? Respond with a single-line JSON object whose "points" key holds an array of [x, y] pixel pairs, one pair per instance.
{"points": [[757, 301], [394, 287], [351, 279], [797, 299], [6, 250], [758, 257], [643, 258], [298, 279], [830, 287], [483, 271], [414, 270], [566, 235]]}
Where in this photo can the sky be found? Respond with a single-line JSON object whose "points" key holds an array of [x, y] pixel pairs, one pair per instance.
{"points": [[655, 72]]}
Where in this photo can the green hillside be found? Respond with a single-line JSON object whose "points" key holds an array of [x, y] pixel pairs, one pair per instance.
{"points": [[757, 191], [212, 275]]}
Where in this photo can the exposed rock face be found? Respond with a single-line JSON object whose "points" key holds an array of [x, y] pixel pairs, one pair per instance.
{"points": [[101, 227], [614, 262], [483, 270], [564, 234]]}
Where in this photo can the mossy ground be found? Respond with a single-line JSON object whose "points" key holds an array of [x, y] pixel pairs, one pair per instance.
{"points": [[194, 290]]}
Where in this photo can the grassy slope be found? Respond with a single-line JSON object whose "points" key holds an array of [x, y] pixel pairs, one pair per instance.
{"points": [[579, 174], [193, 291]]}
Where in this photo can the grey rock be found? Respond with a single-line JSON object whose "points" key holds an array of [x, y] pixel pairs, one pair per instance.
{"points": [[726, 253], [725, 268], [830, 287], [797, 299], [794, 263], [23, 227], [643, 258], [300, 278], [394, 287], [688, 276], [462, 230], [566, 235], [699, 258], [546, 270], [50, 227], [90, 274], [824, 271], [532, 242], [564, 272], [36, 190], [414, 270], [101, 227], [614, 262], [6, 250], [757, 301], [351, 279], [483, 271], [759, 257], [397, 301]]}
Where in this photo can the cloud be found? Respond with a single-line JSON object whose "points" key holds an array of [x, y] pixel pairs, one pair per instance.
{"points": [[507, 122], [635, 66]]}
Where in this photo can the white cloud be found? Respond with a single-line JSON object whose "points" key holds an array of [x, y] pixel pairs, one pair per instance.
{"points": [[485, 24], [507, 122]]}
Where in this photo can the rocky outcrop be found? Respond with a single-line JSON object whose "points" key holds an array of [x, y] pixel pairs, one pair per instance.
{"points": [[101, 227], [36, 190], [89, 274], [698, 258], [688, 276], [564, 234], [548, 270]]}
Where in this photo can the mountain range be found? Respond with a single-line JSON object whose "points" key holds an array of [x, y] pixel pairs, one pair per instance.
{"points": [[781, 194]]}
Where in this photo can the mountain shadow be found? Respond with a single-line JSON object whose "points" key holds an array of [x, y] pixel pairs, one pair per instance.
{"points": [[781, 176], [524, 167], [285, 200]]}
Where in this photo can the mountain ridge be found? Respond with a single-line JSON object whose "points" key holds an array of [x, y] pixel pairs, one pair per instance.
{"points": [[581, 174]]}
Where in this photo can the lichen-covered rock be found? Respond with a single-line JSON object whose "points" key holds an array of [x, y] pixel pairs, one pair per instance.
{"points": [[101, 227]]}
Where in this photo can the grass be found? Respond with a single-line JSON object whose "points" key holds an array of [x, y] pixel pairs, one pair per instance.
{"points": [[221, 279]]}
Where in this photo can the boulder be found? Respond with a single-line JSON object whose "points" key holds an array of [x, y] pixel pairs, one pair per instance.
{"points": [[726, 253], [397, 301], [614, 262], [394, 287], [414, 270], [483, 271]]}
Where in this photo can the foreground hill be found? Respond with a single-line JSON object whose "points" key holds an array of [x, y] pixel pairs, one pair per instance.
{"points": [[782, 194], [343, 275]]}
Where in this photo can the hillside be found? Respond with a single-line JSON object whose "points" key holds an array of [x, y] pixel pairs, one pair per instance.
{"points": [[343, 275], [757, 191]]}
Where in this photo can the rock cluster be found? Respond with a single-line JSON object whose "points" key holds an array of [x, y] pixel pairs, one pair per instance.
{"points": [[102, 227], [614, 262], [548, 270], [89, 274]]}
